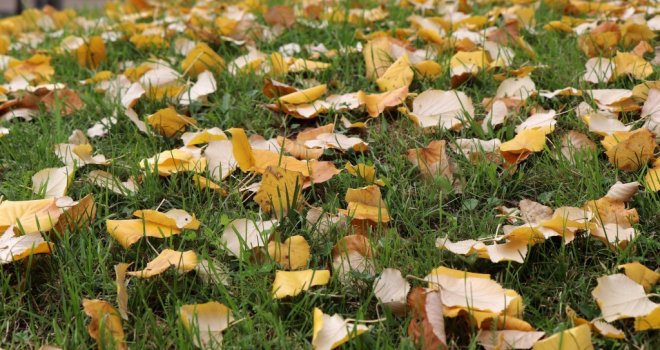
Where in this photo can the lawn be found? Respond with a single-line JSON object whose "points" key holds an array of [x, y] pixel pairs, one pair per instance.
{"points": [[41, 295]]}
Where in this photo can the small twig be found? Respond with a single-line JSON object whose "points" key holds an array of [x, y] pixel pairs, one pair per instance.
{"points": [[326, 295], [366, 321]]}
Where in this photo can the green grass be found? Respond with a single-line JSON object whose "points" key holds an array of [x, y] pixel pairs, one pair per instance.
{"points": [[40, 302]]}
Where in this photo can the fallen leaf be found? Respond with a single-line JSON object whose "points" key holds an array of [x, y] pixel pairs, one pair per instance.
{"points": [[432, 160], [330, 332], [427, 326], [641, 274], [292, 254], [577, 338], [29, 216], [182, 261], [245, 234], [352, 254], [292, 283], [105, 327], [106, 180], [522, 145], [378, 103], [442, 109], [391, 289], [631, 150], [280, 191], [168, 122], [366, 204], [508, 339], [14, 248], [202, 58], [206, 322], [122, 293], [52, 182], [619, 297], [398, 75]]}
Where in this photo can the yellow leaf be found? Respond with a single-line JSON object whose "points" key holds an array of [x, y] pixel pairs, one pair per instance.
{"points": [[364, 171], [29, 216], [122, 293], [330, 332], [203, 183], [522, 145], [650, 321], [641, 274], [206, 322], [242, 149], [90, 55], [577, 338], [127, 232], [292, 254], [174, 218], [377, 57], [168, 122], [398, 75], [469, 291], [14, 248], [652, 179], [366, 204], [630, 150], [182, 261], [202, 58], [304, 96], [292, 283], [630, 64], [278, 64], [35, 69], [280, 191], [378, 103], [471, 63], [204, 136], [619, 297], [106, 326], [174, 161], [428, 69]]}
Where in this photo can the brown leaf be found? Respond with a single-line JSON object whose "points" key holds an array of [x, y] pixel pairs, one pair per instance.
{"points": [[67, 100], [280, 15], [427, 326]]}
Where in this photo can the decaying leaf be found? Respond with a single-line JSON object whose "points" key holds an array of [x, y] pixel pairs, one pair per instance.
{"points": [[427, 326]]}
